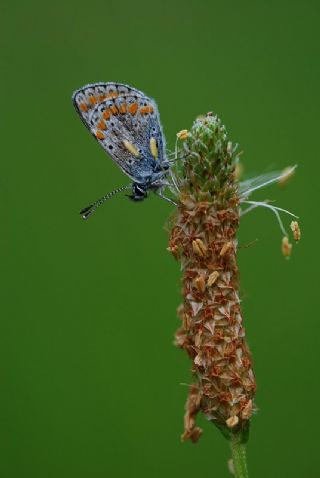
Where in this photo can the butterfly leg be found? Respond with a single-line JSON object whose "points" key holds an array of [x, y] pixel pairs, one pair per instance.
{"points": [[160, 194]]}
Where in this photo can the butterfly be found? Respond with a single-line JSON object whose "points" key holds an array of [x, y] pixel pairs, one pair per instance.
{"points": [[127, 125]]}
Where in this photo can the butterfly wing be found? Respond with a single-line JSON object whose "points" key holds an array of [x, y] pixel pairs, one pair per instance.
{"points": [[127, 125], [86, 98]]}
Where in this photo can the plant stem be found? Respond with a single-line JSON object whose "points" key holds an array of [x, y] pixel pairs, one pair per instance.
{"points": [[238, 448]]}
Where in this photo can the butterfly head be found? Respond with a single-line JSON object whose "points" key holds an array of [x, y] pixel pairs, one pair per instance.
{"points": [[139, 192]]}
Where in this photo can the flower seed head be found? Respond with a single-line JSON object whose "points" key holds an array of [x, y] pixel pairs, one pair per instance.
{"points": [[183, 134], [232, 421], [296, 231], [200, 283], [287, 174], [225, 248], [199, 247], [212, 278], [286, 247]]}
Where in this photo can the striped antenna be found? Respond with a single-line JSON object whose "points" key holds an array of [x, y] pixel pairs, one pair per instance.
{"points": [[89, 210]]}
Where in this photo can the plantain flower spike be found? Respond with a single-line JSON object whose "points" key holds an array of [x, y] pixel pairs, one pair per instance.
{"points": [[203, 237]]}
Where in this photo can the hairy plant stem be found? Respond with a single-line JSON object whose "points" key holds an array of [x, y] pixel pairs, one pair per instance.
{"points": [[239, 458]]}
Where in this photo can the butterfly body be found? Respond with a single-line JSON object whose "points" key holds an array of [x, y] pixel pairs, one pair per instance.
{"points": [[126, 123]]}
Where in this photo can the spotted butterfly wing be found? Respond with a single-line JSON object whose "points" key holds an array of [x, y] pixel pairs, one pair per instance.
{"points": [[127, 125]]}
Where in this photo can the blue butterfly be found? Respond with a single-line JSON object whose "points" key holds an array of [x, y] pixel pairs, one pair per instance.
{"points": [[127, 125]]}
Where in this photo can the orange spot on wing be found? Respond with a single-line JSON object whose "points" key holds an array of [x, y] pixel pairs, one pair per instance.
{"points": [[92, 100], [106, 114], [123, 108], [112, 95], [133, 108], [100, 135], [102, 97], [102, 125], [146, 109], [114, 110], [83, 107]]}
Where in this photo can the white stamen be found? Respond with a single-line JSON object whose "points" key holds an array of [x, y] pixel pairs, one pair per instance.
{"points": [[274, 209], [250, 185]]}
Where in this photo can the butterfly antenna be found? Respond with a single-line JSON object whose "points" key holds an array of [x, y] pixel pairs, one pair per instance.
{"points": [[89, 210]]}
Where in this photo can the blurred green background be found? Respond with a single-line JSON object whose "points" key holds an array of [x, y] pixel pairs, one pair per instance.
{"points": [[91, 385]]}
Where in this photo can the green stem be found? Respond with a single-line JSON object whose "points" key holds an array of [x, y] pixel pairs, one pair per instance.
{"points": [[238, 448]]}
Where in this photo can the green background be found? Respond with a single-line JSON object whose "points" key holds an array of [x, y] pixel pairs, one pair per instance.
{"points": [[91, 385]]}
